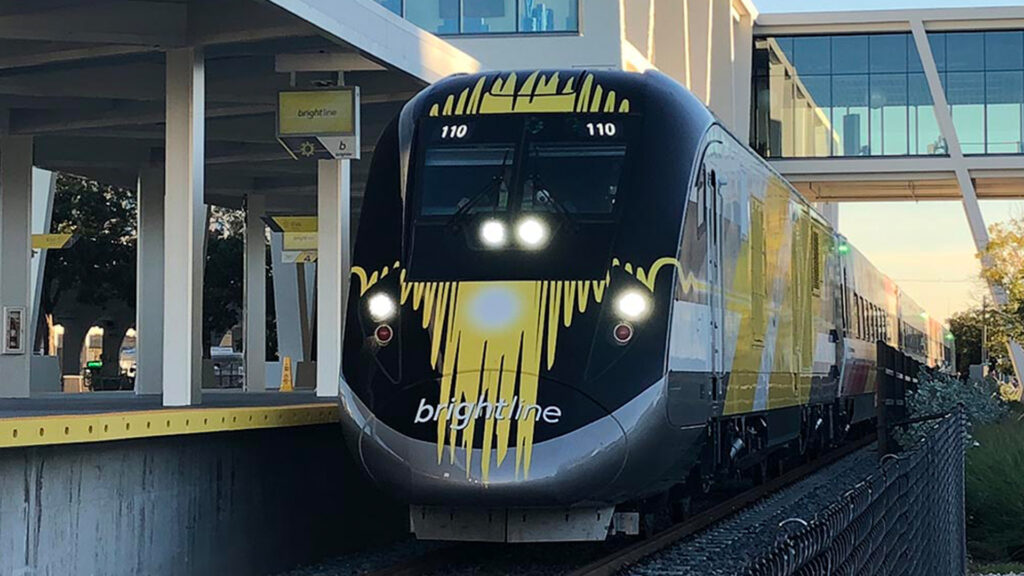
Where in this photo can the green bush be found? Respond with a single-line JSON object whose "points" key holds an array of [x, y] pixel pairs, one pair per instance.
{"points": [[938, 392], [995, 492]]}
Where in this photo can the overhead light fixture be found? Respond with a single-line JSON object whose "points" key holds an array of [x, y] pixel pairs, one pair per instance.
{"points": [[382, 307], [493, 234], [532, 232]]}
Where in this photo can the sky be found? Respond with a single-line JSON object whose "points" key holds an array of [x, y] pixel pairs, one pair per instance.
{"points": [[925, 246], [767, 6]]}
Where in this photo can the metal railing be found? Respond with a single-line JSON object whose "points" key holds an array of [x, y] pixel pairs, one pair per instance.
{"points": [[907, 518]]}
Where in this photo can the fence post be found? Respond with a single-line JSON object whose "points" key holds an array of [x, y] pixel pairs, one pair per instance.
{"points": [[882, 387]]}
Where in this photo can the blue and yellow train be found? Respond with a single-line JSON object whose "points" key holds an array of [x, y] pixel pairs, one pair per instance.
{"points": [[575, 292]]}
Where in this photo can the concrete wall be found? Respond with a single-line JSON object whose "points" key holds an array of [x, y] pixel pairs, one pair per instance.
{"points": [[252, 502], [597, 45]]}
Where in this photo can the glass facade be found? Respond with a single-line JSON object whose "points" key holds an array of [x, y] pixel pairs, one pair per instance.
{"points": [[830, 96], [867, 95], [488, 16], [983, 76]]}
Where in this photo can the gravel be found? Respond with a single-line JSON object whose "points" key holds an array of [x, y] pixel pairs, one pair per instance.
{"points": [[728, 546]]}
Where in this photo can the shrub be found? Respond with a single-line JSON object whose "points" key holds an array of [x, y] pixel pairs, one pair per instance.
{"points": [[938, 392], [995, 492]]}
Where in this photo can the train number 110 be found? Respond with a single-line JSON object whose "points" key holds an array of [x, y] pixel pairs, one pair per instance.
{"points": [[601, 128], [454, 131]]}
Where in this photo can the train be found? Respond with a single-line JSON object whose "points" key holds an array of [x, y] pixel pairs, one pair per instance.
{"points": [[575, 292]]}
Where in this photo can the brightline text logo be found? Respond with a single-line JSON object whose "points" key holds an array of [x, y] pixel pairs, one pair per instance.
{"points": [[461, 413]]}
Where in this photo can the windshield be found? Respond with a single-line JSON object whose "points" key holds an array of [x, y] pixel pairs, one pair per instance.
{"points": [[518, 196], [574, 178], [456, 177]]}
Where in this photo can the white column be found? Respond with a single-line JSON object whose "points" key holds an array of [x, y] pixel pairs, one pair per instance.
{"points": [[255, 287], [333, 269], [149, 284], [16, 255], [44, 184], [184, 227], [719, 62]]}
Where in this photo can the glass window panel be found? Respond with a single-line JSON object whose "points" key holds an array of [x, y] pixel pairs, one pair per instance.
{"points": [[810, 121], [938, 44], [918, 92], [818, 90], [549, 16], [888, 114], [786, 45], [965, 88], [849, 54], [850, 115], [965, 51], [812, 55], [889, 53], [1004, 51], [437, 16], [966, 94], [1005, 95], [484, 16], [393, 5]]}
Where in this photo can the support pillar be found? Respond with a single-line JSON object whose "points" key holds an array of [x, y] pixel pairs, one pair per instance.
{"points": [[16, 256], [972, 209], [149, 285], [333, 270], [255, 287], [184, 227]]}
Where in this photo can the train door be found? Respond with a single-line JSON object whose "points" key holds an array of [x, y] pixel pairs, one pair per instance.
{"points": [[713, 189]]}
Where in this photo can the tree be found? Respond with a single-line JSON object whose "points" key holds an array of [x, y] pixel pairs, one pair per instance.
{"points": [[97, 272], [967, 326], [1004, 269]]}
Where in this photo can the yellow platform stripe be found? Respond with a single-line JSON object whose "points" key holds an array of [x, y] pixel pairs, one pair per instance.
{"points": [[102, 427]]}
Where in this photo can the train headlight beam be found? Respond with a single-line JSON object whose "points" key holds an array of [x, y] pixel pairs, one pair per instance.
{"points": [[382, 307]]}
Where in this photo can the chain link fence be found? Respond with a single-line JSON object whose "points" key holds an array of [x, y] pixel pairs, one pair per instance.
{"points": [[905, 519]]}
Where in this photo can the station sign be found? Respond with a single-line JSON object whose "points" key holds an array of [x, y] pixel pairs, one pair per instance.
{"points": [[319, 124], [291, 223], [300, 241], [298, 257], [53, 241]]}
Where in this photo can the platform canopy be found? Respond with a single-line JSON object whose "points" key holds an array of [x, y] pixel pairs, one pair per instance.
{"points": [[86, 79]]}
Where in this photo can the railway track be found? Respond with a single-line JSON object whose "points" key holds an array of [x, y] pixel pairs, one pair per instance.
{"points": [[607, 564]]}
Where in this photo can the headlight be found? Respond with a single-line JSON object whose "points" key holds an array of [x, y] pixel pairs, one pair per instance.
{"points": [[532, 232], [632, 305], [381, 306], [492, 233]]}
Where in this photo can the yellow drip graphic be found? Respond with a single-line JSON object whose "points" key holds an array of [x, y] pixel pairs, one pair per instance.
{"points": [[490, 342], [538, 93]]}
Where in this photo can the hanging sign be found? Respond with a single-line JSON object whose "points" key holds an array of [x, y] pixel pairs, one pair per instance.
{"points": [[319, 124], [52, 241]]}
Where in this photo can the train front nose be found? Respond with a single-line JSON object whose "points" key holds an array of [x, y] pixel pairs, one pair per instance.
{"points": [[495, 439]]}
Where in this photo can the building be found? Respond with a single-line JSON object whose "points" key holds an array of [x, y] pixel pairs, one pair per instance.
{"points": [[178, 99]]}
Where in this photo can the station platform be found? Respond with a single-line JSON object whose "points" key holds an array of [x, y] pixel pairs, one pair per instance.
{"points": [[106, 416]]}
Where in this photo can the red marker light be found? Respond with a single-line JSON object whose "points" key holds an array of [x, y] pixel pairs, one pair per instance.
{"points": [[623, 333], [383, 334]]}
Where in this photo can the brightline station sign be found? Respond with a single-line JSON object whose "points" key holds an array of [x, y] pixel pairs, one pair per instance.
{"points": [[319, 124]]}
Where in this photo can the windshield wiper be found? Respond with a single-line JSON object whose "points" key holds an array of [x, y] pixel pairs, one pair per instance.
{"points": [[543, 193], [493, 186]]}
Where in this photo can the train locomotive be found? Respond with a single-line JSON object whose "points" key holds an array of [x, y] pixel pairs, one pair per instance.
{"points": [[575, 291]]}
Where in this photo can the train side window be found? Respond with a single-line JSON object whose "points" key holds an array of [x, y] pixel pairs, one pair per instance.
{"points": [[815, 263], [758, 269]]}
